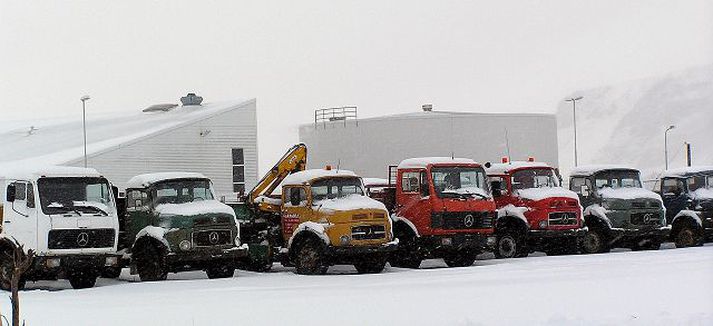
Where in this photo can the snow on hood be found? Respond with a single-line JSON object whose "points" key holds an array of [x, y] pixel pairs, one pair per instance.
{"points": [[546, 192], [467, 191], [350, 202], [195, 208], [703, 194], [628, 193]]}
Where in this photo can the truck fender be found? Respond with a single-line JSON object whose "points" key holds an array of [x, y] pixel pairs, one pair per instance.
{"points": [[595, 215], [508, 222], [510, 217], [401, 222], [152, 234], [687, 215], [309, 228]]}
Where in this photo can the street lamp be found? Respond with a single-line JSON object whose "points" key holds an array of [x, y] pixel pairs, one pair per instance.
{"points": [[574, 118], [84, 125], [665, 143]]}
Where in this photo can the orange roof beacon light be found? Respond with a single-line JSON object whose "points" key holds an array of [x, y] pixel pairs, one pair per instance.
{"points": [[504, 159], [530, 159], [328, 168]]}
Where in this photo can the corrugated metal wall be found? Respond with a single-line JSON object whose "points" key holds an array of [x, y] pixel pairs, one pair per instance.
{"points": [[375, 143], [185, 149]]}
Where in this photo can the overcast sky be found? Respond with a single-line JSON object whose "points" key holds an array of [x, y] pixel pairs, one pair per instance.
{"points": [[297, 56]]}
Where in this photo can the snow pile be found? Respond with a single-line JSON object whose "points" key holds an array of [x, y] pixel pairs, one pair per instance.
{"points": [[703, 194], [195, 208], [626, 122], [511, 210], [681, 172], [503, 168], [545, 192], [423, 162], [144, 180], [350, 202], [301, 177], [628, 193]]}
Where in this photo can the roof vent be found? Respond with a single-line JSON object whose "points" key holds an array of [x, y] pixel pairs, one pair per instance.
{"points": [[191, 99], [427, 107], [160, 107]]}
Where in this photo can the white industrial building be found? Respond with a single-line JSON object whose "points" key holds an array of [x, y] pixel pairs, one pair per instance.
{"points": [[216, 139], [369, 146]]}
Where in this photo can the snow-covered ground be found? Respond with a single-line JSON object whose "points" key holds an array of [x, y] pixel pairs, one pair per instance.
{"points": [[666, 287]]}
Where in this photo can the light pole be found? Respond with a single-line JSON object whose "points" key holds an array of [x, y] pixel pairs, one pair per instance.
{"points": [[574, 118], [665, 143], [84, 125]]}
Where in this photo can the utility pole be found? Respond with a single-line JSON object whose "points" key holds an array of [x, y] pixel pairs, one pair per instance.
{"points": [[84, 125], [574, 119], [665, 143]]}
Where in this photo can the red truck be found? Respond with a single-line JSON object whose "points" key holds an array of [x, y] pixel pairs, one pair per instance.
{"points": [[440, 208], [534, 212]]}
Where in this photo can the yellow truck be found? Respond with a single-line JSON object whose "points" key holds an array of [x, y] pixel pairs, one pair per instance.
{"points": [[313, 219]]}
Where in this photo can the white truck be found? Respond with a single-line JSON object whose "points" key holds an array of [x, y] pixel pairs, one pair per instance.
{"points": [[67, 216]]}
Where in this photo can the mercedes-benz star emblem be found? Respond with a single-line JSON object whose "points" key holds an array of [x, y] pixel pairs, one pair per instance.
{"points": [[83, 239], [468, 220], [648, 217], [565, 219], [213, 237]]}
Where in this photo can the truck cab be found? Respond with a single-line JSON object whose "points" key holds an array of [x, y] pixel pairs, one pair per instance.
{"points": [[618, 211], [67, 216], [441, 208], [531, 202], [688, 196], [174, 223], [327, 219]]}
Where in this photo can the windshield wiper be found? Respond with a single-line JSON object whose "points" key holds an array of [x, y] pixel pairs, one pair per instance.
{"points": [[91, 207]]}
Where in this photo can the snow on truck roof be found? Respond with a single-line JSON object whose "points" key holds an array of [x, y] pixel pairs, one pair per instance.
{"points": [[503, 168], [423, 162], [33, 172], [301, 177], [687, 171], [587, 170], [145, 180]]}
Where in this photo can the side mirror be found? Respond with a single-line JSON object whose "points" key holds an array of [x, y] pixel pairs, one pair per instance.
{"points": [[584, 190], [10, 193], [495, 187]]}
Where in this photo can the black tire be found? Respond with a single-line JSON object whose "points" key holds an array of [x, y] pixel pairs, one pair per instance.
{"points": [[151, 263], [510, 245], [83, 280], [595, 241], [406, 254], [461, 258], [371, 265], [687, 237], [6, 269], [566, 247], [220, 271], [309, 259], [111, 272]]}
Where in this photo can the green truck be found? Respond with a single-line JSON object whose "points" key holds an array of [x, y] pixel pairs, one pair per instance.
{"points": [[174, 223], [618, 212]]}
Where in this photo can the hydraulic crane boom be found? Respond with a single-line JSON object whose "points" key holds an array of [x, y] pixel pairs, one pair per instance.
{"points": [[294, 160]]}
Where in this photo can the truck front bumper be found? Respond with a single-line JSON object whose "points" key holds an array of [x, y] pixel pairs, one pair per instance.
{"points": [[630, 235], [352, 254], [440, 244], [544, 239], [202, 258], [59, 266]]}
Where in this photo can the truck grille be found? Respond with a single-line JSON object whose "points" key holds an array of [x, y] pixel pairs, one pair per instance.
{"points": [[368, 232], [210, 238], [562, 218], [462, 220], [80, 238], [646, 218]]}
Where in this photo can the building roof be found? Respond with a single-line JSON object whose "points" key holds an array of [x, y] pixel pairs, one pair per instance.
{"points": [[587, 170], [423, 162], [57, 141], [145, 180], [445, 114], [687, 171], [503, 168]]}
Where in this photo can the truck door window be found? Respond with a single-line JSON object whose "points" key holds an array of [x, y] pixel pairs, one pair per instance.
{"points": [[672, 187], [576, 185], [30, 196], [136, 198], [298, 196], [410, 182], [424, 184]]}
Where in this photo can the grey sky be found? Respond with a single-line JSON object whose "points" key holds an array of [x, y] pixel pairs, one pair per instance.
{"points": [[296, 56]]}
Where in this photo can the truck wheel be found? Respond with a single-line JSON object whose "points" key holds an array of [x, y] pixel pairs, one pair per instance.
{"points": [[371, 265], [83, 280], [310, 258], [220, 271], [510, 245], [151, 264], [460, 258], [687, 237], [594, 242], [111, 272], [406, 254]]}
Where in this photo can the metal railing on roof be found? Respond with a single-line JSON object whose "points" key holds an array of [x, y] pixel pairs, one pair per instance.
{"points": [[335, 114]]}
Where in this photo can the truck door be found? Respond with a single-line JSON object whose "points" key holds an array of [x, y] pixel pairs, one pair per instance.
{"points": [[675, 196], [137, 214], [21, 215], [412, 200], [295, 209]]}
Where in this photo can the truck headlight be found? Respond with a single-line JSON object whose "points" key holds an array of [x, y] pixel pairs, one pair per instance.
{"points": [[111, 261], [543, 224], [184, 245], [53, 262], [344, 240]]}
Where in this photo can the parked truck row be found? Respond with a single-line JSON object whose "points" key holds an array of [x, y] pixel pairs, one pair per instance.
{"points": [[432, 207]]}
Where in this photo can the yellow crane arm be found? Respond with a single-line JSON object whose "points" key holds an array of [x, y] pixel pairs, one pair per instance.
{"points": [[294, 160]]}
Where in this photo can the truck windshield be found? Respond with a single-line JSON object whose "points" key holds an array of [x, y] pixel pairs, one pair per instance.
{"points": [[336, 187], [181, 191], [535, 178], [460, 182], [617, 179], [699, 182], [74, 195]]}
